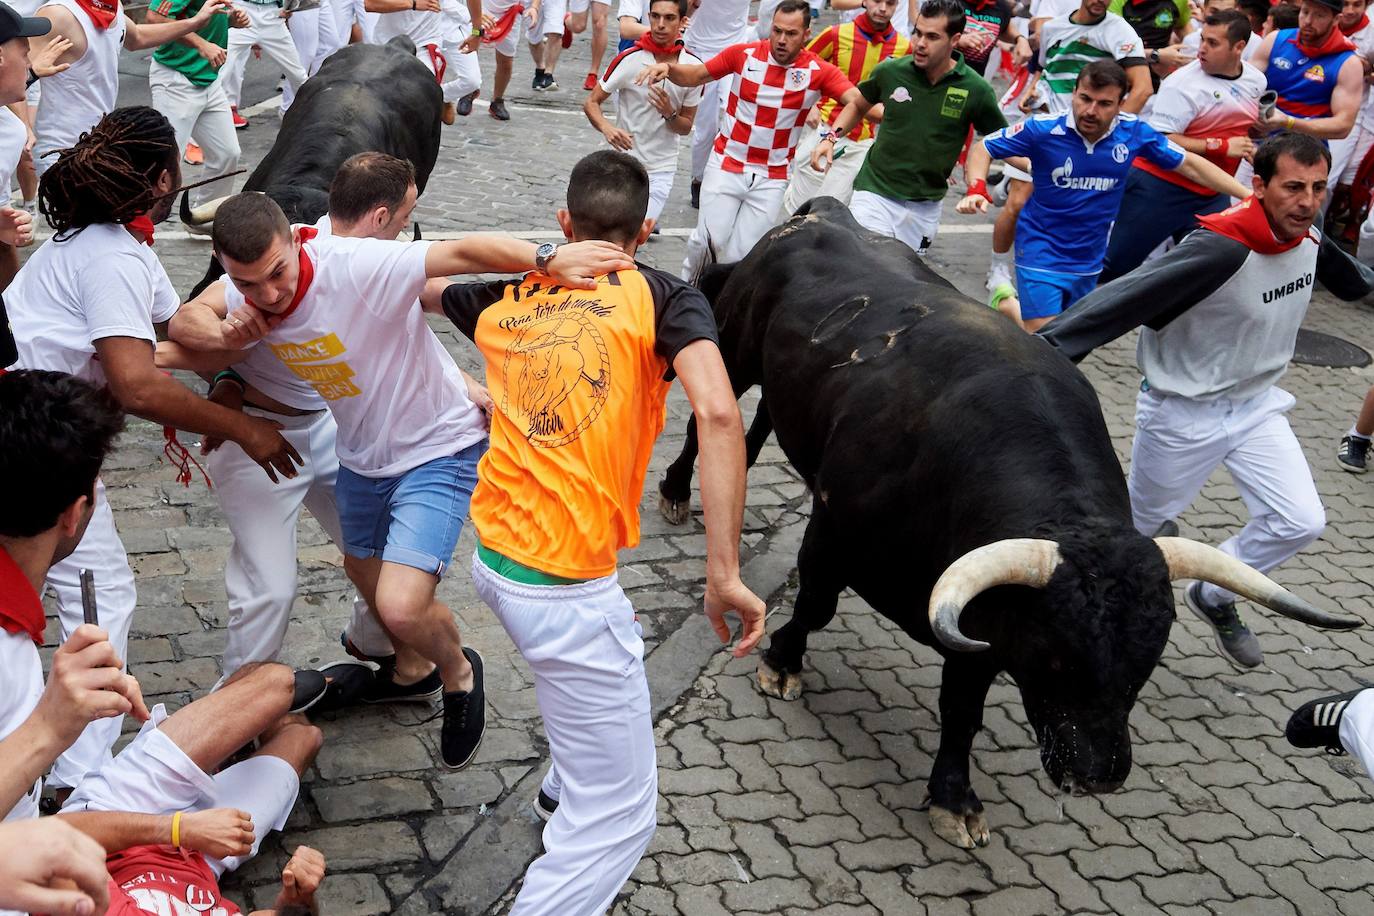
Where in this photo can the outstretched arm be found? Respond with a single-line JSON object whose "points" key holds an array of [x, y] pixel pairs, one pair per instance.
{"points": [[1206, 173], [576, 265]]}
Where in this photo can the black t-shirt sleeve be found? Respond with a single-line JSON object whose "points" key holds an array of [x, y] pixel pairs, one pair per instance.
{"points": [[464, 302], [681, 315]]}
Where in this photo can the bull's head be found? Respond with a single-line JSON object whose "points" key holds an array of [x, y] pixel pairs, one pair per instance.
{"points": [[1097, 634]]}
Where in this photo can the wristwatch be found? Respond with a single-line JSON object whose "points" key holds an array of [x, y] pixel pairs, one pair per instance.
{"points": [[543, 255], [480, 31], [1154, 56]]}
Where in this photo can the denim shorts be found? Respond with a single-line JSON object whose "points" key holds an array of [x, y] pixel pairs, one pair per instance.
{"points": [[413, 519]]}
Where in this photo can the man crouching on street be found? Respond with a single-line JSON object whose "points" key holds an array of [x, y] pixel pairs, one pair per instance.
{"points": [[579, 381]]}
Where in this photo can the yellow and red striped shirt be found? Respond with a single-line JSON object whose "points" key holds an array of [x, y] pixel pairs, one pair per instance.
{"points": [[856, 48]]}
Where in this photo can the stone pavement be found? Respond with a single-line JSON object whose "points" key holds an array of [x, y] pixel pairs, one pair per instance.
{"points": [[814, 805]]}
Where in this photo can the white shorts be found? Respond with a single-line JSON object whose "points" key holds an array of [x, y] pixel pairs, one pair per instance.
{"points": [[508, 45], [154, 776], [550, 22], [913, 222], [577, 7]]}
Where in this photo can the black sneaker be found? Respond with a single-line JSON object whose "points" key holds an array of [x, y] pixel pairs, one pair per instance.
{"points": [[537, 84], [465, 718], [385, 689], [550, 84], [696, 194], [310, 689], [1353, 453], [544, 806], [498, 111], [1317, 724], [464, 105], [1234, 639], [347, 683]]}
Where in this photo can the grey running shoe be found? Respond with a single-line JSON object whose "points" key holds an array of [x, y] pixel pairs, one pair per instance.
{"points": [[497, 109], [1233, 637], [1167, 529], [1353, 454]]}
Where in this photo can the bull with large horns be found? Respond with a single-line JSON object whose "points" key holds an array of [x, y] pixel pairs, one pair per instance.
{"points": [[965, 486]]}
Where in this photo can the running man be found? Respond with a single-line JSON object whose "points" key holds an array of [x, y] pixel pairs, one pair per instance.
{"points": [[855, 47], [1207, 108], [651, 120], [773, 84], [86, 303], [423, 22], [508, 23], [930, 102], [1079, 162], [1219, 317], [600, 14], [265, 34], [715, 26], [343, 314], [558, 496]]}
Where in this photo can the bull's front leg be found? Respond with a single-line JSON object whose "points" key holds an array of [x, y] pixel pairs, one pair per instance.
{"points": [[956, 814], [675, 489], [820, 579]]}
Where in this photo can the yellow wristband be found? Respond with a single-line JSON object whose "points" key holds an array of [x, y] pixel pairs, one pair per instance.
{"points": [[1291, 122], [176, 830]]}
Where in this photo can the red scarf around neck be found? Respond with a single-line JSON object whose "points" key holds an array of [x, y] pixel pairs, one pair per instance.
{"points": [[866, 25], [142, 227], [21, 610], [1246, 223], [102, 12], [1333, 43], [646, 43], [1364, 21]]}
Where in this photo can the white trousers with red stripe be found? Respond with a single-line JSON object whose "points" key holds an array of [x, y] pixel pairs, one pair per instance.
{"points": [[736, 211]]}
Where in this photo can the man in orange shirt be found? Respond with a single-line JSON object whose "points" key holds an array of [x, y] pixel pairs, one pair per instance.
{"points": [[579, 380], [855, 47]]}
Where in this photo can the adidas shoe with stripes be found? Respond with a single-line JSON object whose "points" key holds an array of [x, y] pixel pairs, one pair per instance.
{"points": [[1317, 723]]}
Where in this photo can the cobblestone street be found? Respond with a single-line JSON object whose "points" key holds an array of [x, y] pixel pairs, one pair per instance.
{"points": [[814, 805]]}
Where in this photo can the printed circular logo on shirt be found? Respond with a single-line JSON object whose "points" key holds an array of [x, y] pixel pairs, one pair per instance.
{"points": [[1120, 152], [563, 378]]}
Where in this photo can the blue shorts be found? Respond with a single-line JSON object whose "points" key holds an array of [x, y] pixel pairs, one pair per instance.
{"points": [[413, 519], [1044, 293]]}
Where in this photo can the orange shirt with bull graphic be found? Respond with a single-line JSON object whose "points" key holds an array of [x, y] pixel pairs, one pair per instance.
{"points": [[579, 379]]}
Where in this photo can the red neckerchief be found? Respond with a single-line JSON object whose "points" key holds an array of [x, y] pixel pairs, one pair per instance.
{"points": [[142, 226], [1333, 43], [865, 25], [21, 610], [646, 43], [102, 12], [1246, 223], [502, 26], [1364, 21], [304, 278]]}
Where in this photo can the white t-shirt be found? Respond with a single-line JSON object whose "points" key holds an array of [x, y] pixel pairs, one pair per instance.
{"points": [[1363, 40], [420, 26], [655, 145], [21, 685], [1196, 104], [13, 136], [360, 338], [716, 25], [100, 282]]}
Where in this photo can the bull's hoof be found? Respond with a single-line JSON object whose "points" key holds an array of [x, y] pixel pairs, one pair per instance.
{"points": [[675, 512], [963, 830], [781, 684]]}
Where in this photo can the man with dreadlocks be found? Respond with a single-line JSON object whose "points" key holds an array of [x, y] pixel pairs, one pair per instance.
{"points": [[85, 303]]}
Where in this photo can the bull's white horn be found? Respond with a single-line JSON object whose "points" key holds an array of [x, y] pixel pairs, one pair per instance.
{"points": [[1194, 560], [205, 213], [1014, 561]]}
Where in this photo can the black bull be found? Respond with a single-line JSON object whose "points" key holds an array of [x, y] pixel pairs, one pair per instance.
{"points": [[364, 98], [926, 427]]}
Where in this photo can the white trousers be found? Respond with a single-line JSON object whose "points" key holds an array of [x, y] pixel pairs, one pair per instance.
{"points": [[838, 182], [332, 35], [103, 554], [583, 647], [706, 125], [1180, 441], [199, 113], [737, 209], [1357, 730], [366, 21], [260, 573], [304, 26], [268, 31], [912, 222], [660, 186], [464, 74]]}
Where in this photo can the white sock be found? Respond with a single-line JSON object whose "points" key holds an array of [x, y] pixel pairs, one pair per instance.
{"points": [[1001, 259], [1357, 434]]}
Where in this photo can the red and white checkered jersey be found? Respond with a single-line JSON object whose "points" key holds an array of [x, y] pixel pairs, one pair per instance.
{"points": [[768, 105]]}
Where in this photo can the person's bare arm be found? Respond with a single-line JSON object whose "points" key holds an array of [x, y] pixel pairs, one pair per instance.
{"points": [[1141, 88], [1260, 60], [678, 74], [143, 390], [631, 28], [216, 832], [576, 265], [198, 324], [47, 866], [721, 433], [1346, 99], [1204, 172], [856, 108], [402, 6], [1241, 147], [617, 137], [66, 29], [157, 29], [168, 354]]}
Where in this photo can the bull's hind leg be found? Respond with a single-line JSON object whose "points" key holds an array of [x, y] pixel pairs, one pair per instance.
{"points": [[956, 813], [819, 566], [675, 489]]}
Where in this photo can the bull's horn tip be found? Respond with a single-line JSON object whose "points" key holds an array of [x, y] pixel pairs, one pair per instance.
{"points": [[948, 632]]}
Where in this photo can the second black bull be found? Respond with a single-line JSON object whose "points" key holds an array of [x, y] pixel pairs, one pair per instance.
{"points": [[364, 98], [964, 485]]}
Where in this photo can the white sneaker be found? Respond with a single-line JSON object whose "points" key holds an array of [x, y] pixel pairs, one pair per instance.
{"points": [[1000, 191], [998, 275]]}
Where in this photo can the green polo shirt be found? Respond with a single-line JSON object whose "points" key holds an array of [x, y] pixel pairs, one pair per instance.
{"points": [[924, 127], [183, 58]]}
